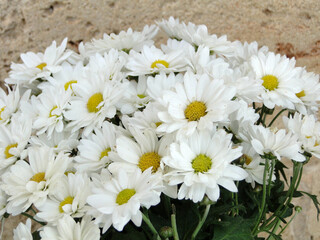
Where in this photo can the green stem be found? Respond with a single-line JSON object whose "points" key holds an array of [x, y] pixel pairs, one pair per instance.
{"points": [[279, 113], [200, 224], [31, 217], [151, 227], [273, 162], [2, 226], [174, 227], [263, 203]]}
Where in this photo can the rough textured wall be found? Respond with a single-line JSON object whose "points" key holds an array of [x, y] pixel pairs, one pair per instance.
{"points": [[290, 27]]}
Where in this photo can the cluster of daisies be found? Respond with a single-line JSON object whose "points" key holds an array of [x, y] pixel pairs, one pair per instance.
{"points": [[101, 133]]}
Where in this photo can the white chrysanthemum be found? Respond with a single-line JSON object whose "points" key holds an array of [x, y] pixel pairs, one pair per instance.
{"points": [[307, 128], [152, 60], [198, 103], [29, 183], [95, 100], [11, 102], [202, 163], [280, 79], [40, 65], [23, 231], [121, 198], [310, 94], [49, 108], [280, 143], [124, 41], [68, 229], [134, 97], [94, 149], [67, 196], [14, 138], [59, 142]]}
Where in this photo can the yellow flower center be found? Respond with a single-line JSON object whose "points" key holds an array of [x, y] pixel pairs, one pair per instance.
{"points": [[69, 84], [93, 102], [141, 96], [195, 111], [201, 163], [247, 159], [67, 200], [150, 159], [270, 82], [300, 94], [41, 66], [125, 195], [67, 172], [162, 62], [1, 110], [50, 114], [38, 177], [158, 124], [105, 153], [7, 149]]}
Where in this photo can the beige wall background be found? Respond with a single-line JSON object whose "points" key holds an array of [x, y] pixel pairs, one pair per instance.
{"points": [[290, 27]]}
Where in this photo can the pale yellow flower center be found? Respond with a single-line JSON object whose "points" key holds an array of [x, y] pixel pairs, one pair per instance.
{"points": [[69, 84], [1, 110], [195, 110], [141, 96], [150, 159], [41, 66], [38, 177], [67, 200], [158, 124], [247, 159], [270, 82], [105, 153], [201, 163], [67, 172], [162, 62], [52, 109], [7, 149], [301, 94], [125, 195], [93, 102]]}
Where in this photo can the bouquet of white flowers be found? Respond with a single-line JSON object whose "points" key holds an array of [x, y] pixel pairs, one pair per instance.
{"points": [[125, 140]]}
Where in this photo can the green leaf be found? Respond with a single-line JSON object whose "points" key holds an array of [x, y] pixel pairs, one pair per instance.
{"points": [[234, 228], [275, 237], [315, 202]]}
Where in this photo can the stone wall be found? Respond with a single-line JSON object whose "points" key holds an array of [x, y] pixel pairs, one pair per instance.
{"points": [[289, 27]]}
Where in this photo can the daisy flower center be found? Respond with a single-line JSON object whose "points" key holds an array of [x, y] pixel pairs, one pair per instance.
{"points": [[141, 96], [69, 84], [105, 153], [195, 111], [162, 62], [67, 200], [38, 177], [270, 82], [201, 163], [52, 109], [301, 94], [41, 66], [67, 172], [150, 159], [7, 149], [125, 195], [158, 124], [93, 102], [247, 159], [1, 110]]}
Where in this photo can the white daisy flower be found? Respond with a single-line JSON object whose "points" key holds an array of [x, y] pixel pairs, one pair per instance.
{"points": [[310, 94], [307, 128], [68, 229], [121, 198], [23, 231], [29, 183], [94, 149], [124, 41], [14, 139], [280, 79], [40, 65], [49, 108], [95, 100], [152, 60], [11, 102], [280, 143], [202, 163], [67, 196], [198, 103]]}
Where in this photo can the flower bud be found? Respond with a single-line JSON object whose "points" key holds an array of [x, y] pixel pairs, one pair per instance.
{"points": [[298, 209], [166, 232]]}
